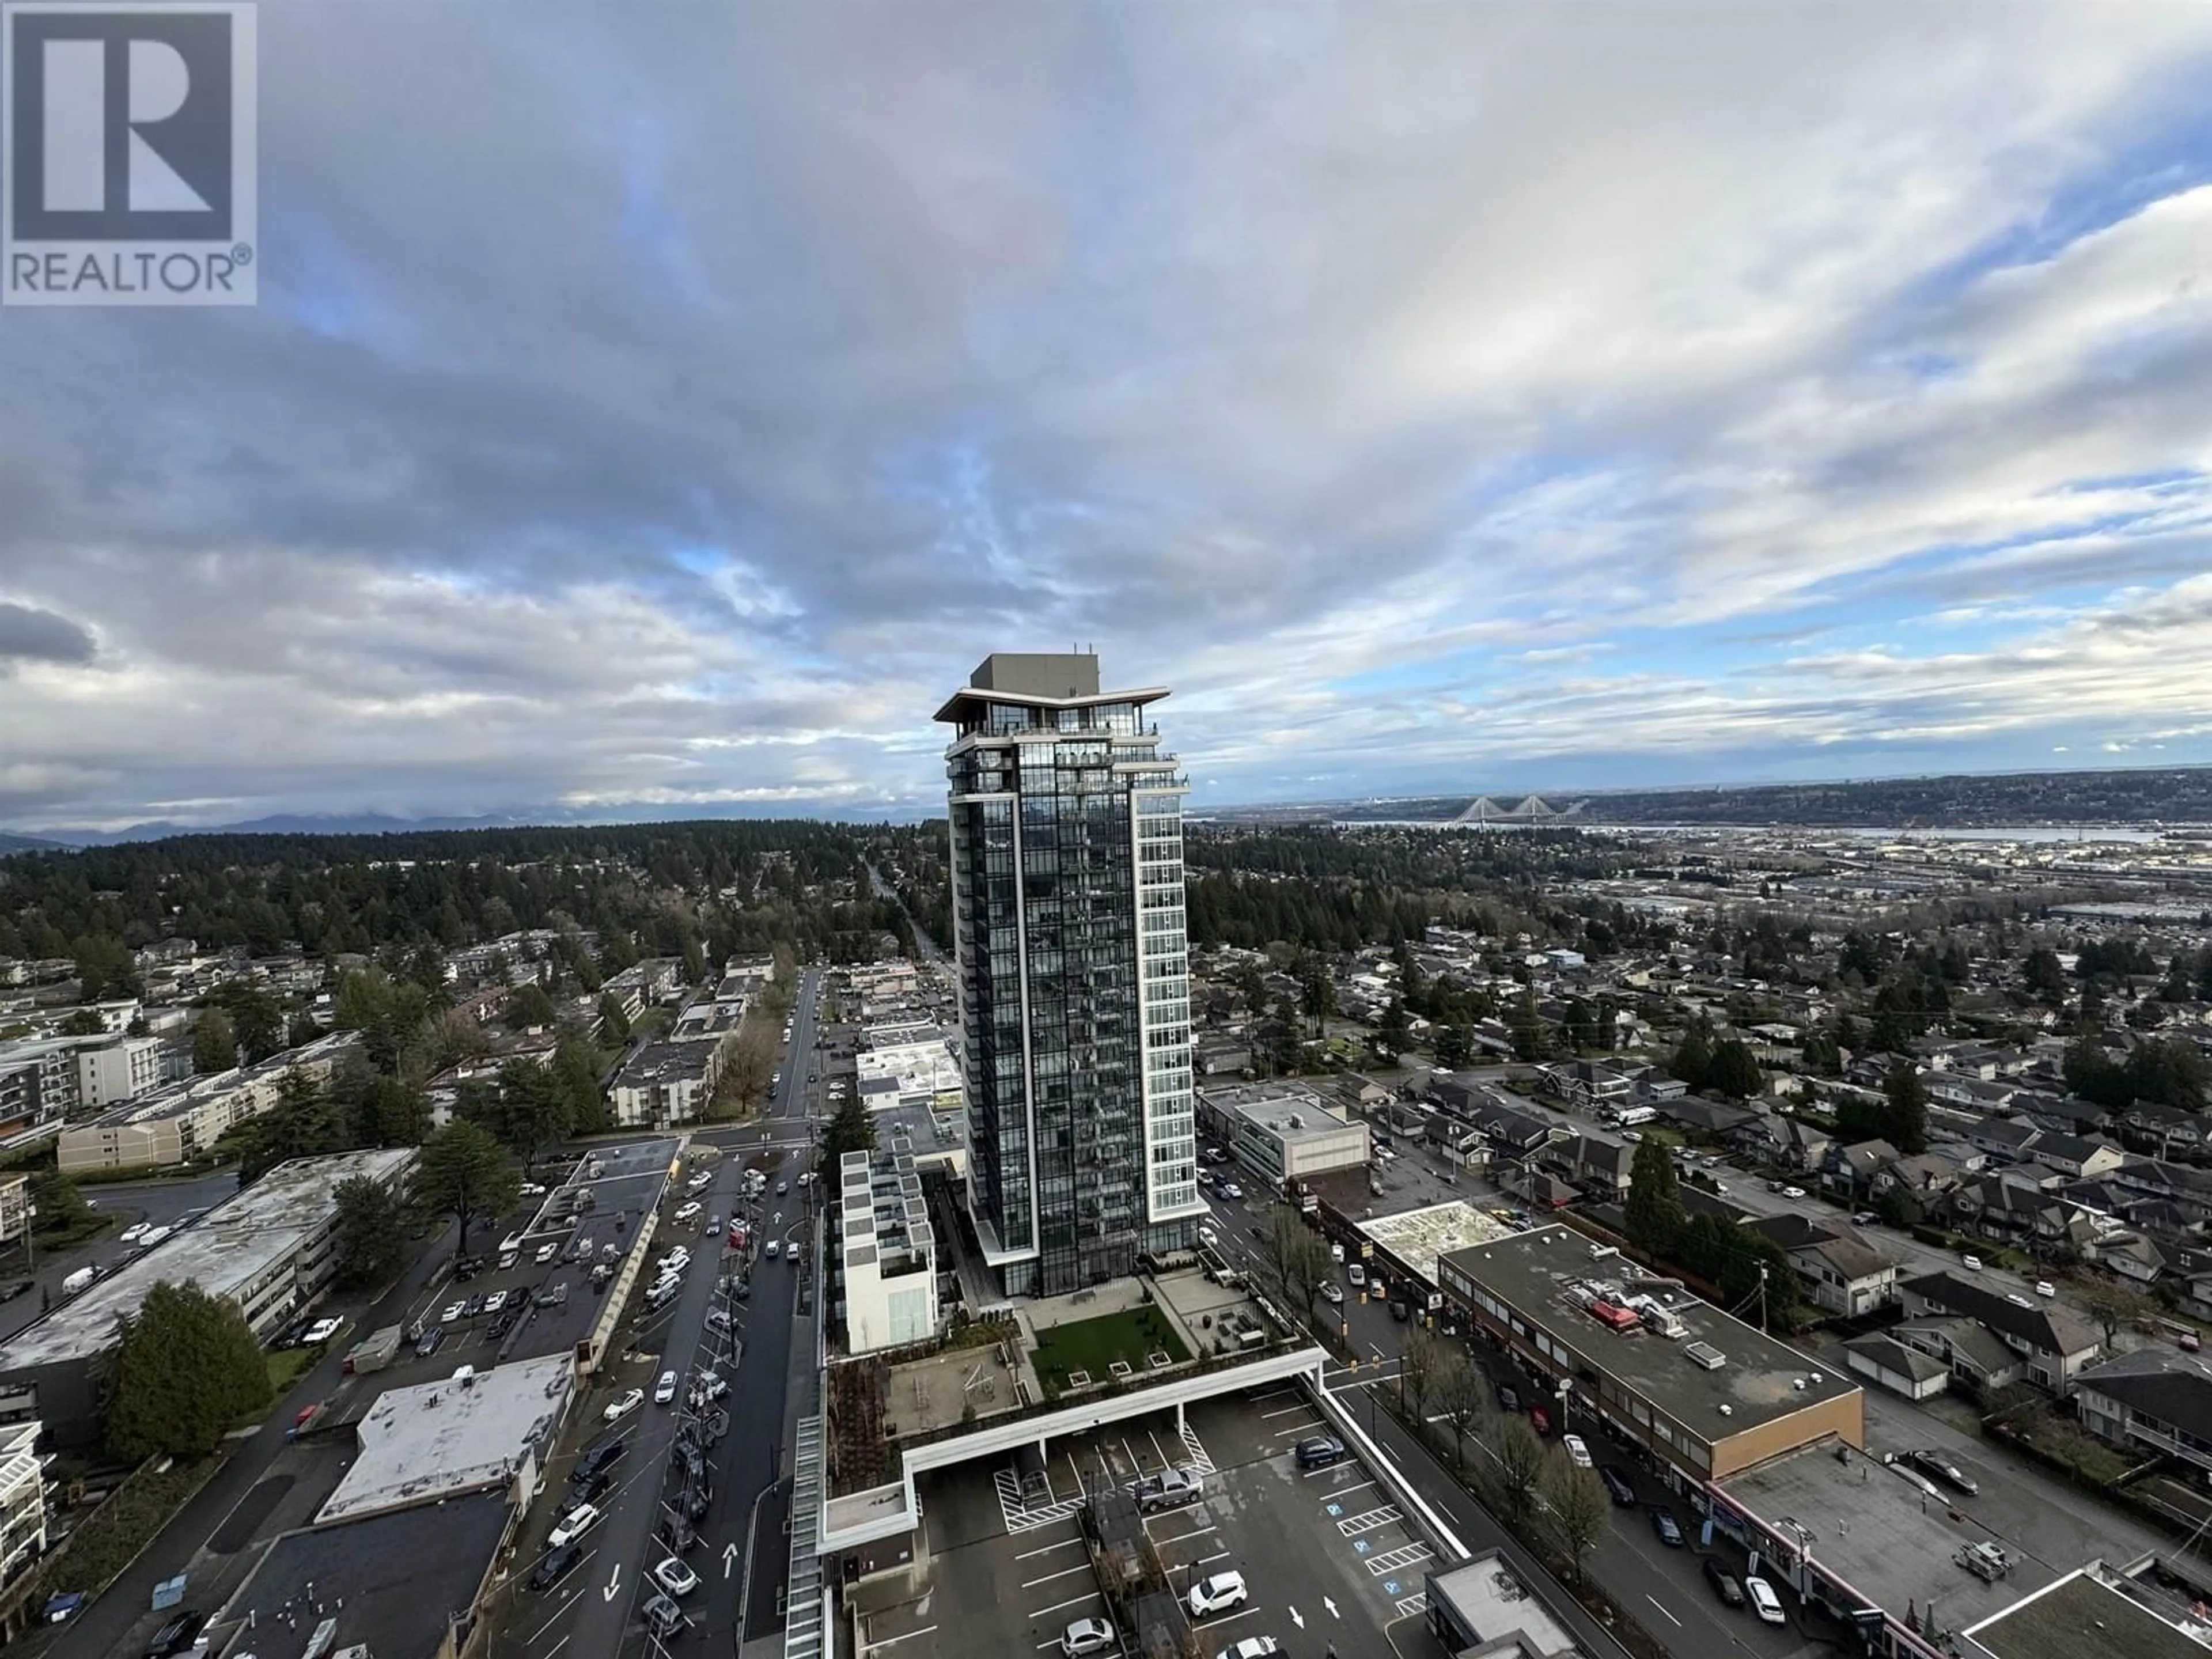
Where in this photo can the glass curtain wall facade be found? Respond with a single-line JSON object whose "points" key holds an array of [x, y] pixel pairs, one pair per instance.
{"points": [[1073, 969]]}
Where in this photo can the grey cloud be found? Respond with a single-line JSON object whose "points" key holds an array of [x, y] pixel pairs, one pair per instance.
{"points": [[30, 635]]}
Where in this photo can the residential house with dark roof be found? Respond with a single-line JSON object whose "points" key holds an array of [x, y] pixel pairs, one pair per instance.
{"points": [[2154, 1400], [1968, 1349], [2169, 1131], [2002, 1136], [1801, 1146], [1704, 1116], [2133, 1255], [1844, 1273], [1912, 1372], [1597, 1165], [2056, 1345], [2078, 1156], [1851, 1170]]}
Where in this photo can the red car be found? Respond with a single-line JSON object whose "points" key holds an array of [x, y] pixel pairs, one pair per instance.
{"points": [[1537, 1420]]}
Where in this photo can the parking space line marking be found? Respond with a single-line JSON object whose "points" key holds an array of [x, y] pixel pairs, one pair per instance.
{"points": [[1295, 1428], [1392, 1560], [1286, 1411], [1047, 1549], [1198, 1532], [1227, 1618], [1076, 1602], [1031, 1583], [1408, 1606], [893, 1641], [1205, 1560]]}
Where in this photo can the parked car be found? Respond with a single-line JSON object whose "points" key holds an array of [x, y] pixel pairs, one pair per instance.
{"points": [[175, 1637], [472, 1307], [1577, 1451], [1724, 1582], [1863, 1218], [554, 1566], [1540, 1419], [1356, 1273], [1669, 1528], [1508, 1398], [718, 1320], [429, 1341], [685, 1213], [597, 1459], [1972, 1264], [1763, 1602], [2044, 1288], [1252, 1647], [1087, 1636], [664, 1391], [1169, 1489], [675, 1575], [1318, 1451], [662, 1616], [1218, 1593], [496, 1301], [1935, 1463], [623, 1405], [775, 1249], [1332, 1292], [574, 1524], [547, 1252], [1616, 1483], [453, 1310]]}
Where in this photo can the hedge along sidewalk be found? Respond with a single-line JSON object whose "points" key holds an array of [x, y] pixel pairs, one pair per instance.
{"points": [[105, 1545]]}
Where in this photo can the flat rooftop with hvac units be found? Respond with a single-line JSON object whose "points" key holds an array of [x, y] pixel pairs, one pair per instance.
{"points": [[1282, 1131], [1706, 1394]]}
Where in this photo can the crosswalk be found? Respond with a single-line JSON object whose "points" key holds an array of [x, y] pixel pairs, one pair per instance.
{"points": [[1392, 1560], [1352, 1525], [1020, 1516]]}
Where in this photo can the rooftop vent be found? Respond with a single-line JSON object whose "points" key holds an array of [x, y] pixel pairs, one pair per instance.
{"points": [[1704, 1354]]}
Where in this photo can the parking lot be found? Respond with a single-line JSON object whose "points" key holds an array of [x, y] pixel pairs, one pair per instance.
{"points": [[1327, 1556]]}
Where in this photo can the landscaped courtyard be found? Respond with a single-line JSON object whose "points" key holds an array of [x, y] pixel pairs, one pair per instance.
{"points": [[1088, 1351]]}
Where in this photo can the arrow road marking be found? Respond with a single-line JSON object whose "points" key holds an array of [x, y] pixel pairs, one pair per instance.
{"points": [[1296, 1620], [1331, 1605], [613, 1584], [729, 1558]]}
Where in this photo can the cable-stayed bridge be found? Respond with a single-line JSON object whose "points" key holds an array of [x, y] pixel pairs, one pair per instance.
{"points": [[1532, 809]]}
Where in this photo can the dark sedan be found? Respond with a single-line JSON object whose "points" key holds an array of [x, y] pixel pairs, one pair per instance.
{"points": [[556, 1566], [1624, 1494], [1669, 1528], [1509, 1399], [1724, 1582]]}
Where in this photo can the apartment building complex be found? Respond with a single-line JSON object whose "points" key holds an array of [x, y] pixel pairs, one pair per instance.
{"points": [[1073, 973], [182, 1122]]}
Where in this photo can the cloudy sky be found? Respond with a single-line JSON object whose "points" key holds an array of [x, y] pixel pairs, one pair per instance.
{"points": [[659, 408]]}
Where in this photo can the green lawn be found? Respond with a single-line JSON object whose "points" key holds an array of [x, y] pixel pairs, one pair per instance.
{"points": [[1093, 1344], [288, 1365]]}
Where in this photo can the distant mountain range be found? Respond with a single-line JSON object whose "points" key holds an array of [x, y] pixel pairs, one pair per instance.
{"points": [[2171, 795], [377, 824]]}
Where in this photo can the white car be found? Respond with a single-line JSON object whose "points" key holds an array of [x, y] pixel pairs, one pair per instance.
{"points": [[2044, 1288], [775, 1249], [1972, 1264], [691, 1210], [624, 1405], [675, 1577], [452, 1311], [574, 1525], [1087, 1636], [532, 1189], [321, 1331], [1332, 1292], [1223, 1591], [1207, 1237], [1792, 1192], [665, 1390], [496, 1301], [1763, 1602], [1577, 1451], [1252, 1647], [132, 1234]]}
